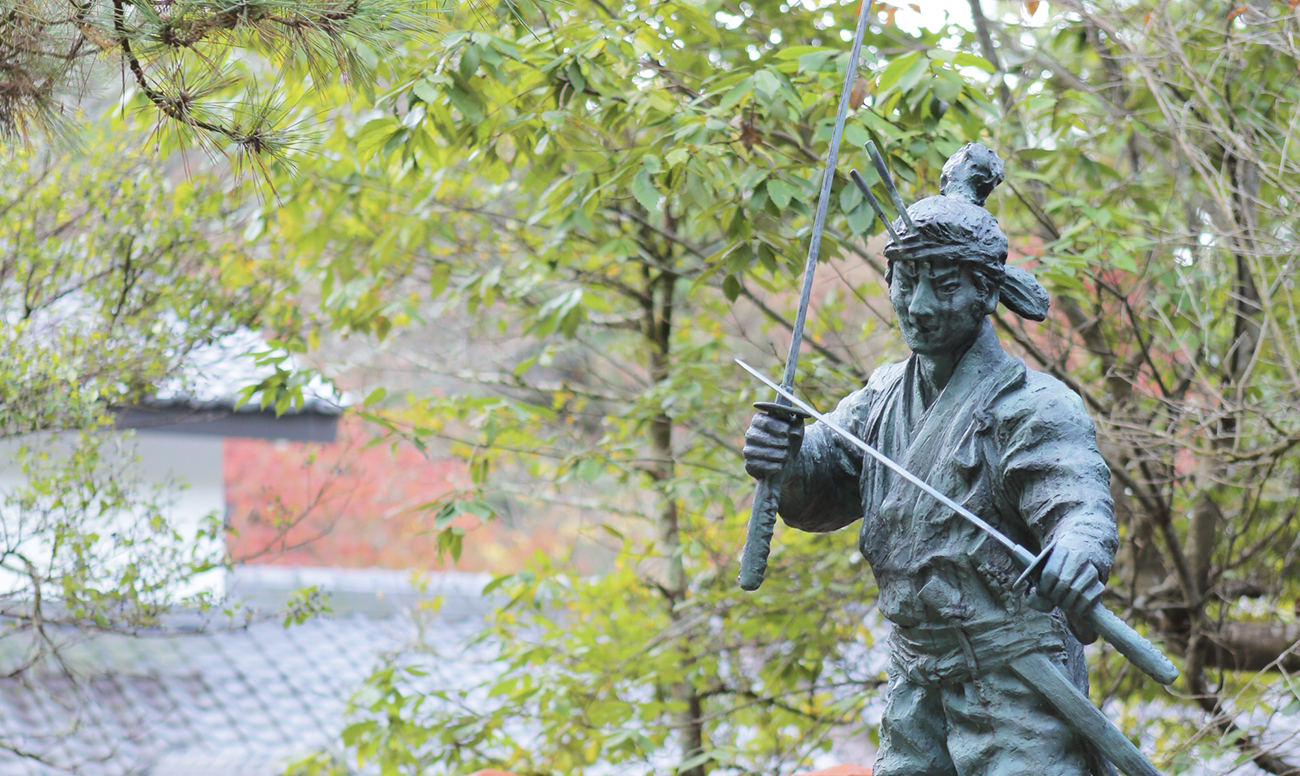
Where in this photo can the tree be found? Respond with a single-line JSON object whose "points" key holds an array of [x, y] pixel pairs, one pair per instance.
{"points": [[197, 66], [1164, 216], [117, 265], [603, 188], [620, 192], [112, 274]]}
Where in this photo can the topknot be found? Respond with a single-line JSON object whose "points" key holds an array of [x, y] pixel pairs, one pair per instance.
{"points": [[971, 174]]}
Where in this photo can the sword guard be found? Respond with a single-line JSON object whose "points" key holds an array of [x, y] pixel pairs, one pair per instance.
{"points": [[783, 411], [1032, 571]]}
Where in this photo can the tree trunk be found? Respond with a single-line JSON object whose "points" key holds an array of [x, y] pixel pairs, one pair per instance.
{"points": [[658, 320]]}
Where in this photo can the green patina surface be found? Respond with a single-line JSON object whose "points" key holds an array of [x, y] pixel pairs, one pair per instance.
{"points": [[1012, 445]]}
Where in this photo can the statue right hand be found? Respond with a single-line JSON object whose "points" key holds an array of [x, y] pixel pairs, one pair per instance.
{"points": [[769, 443]]}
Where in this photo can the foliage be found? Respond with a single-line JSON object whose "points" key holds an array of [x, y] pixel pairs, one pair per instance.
{"points": [[616, 198], [113, 273], [196, 65], [600, 190], [1164, 215], [118, 264]]}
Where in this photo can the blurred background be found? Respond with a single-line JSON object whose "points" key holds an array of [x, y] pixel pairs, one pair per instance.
{"points": [[367, 387]]}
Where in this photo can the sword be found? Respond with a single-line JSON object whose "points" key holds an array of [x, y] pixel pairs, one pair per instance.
{"points": [[1098, 618], [762, 515]]}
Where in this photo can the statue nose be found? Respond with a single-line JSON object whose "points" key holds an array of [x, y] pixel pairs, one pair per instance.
{"points": [[922, 304]]}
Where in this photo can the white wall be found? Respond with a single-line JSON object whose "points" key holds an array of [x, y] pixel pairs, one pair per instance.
{"points": [[194, 462], [188, 467]]}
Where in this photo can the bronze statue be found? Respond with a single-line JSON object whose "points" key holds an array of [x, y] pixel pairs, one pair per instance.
{"points": [[983, 477]]}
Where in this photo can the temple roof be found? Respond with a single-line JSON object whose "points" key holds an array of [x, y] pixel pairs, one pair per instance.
{"points": [[219, 700]]}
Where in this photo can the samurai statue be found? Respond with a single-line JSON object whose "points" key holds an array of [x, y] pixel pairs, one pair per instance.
{"points": [[1010, 444]]}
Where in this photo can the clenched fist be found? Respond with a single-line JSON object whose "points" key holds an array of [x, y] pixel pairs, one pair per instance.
{"points": [[1069, 580], [769, 443]]}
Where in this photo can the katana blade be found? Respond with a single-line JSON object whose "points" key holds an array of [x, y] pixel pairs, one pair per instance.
{"points": [[879, 162], [762, 516], [1023, 555], [1098, 618]]}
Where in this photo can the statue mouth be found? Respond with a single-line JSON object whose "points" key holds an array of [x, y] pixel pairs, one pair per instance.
{"points": [[920, 329]]}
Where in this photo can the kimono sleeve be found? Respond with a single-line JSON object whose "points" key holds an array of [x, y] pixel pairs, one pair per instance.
{"points": [[821, 491], [1052, 471]]}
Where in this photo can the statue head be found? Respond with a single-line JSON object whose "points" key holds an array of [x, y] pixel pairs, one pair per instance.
{"points": [[950, 272]]}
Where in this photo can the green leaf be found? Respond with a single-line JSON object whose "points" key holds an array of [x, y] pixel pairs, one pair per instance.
{"points": [[861, 219], [913, 75], [736, 93], [947, 86], [523, 366], [731, 288], [780, 193], [374, 134], [695, 762], [426, 91], [767, 85], [856, 135], [963, 59], [644, 190], [850, 197], [815, 61], [795, 52], [469, 61], [354, 732], [576, 78], [439, 276], [466, 102], [896, 69], [1034, 154]]}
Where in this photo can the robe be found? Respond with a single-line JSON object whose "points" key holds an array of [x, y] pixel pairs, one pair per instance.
{"points": [[1012, 445], [1017, 448]]}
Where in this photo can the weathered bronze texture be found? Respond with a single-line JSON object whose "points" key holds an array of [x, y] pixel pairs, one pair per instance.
{"points": [[1016, 453]]}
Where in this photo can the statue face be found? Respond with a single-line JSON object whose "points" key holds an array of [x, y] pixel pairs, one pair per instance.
{"points": [[939, 307]]}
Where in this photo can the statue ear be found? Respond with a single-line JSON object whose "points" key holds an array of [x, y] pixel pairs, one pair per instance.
{"points": [[988, 288], [991, 303]]}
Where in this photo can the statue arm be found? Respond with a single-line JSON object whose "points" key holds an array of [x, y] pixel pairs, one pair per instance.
{"points": [[821, 491], [1053, 471]]}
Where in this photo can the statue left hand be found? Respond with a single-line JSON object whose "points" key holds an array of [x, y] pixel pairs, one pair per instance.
{"points": [[1069, 580]]}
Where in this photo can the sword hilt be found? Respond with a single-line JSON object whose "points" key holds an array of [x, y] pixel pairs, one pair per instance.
{"points": [[762, 515], [1128, 642], [1105, 623]]}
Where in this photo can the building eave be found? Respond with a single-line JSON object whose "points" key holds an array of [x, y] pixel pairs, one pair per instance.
{"points": [[315, 421]]}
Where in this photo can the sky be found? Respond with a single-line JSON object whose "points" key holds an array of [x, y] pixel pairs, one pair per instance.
{"points": [[934, 14]]}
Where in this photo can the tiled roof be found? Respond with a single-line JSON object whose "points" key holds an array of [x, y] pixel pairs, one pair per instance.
{"points": [[232, 702], [214, 373]]}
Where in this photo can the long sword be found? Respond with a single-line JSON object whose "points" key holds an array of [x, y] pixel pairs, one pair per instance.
{"points": [[762, 515], [1098, 618]]}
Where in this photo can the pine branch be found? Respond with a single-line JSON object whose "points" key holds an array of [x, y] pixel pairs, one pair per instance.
{"points": [[176, 52]]}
